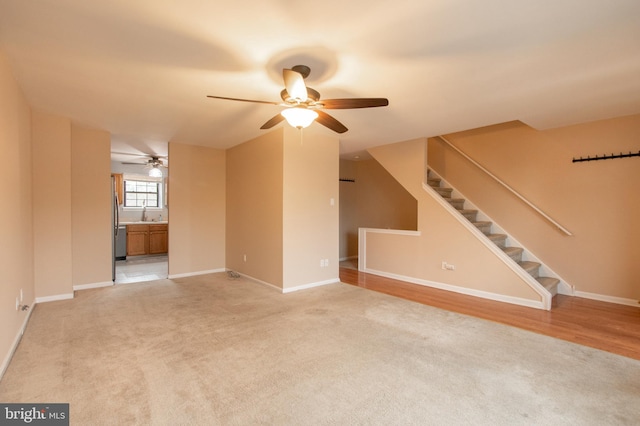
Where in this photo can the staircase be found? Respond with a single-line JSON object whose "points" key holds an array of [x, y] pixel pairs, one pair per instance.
{"points": [[515, 253]]}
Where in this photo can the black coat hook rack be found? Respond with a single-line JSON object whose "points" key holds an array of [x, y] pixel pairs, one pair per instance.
{"points": [[607, 157], [347, 180]]}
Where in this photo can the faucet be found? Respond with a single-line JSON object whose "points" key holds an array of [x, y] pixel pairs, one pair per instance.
{"points": [[144, 213]]}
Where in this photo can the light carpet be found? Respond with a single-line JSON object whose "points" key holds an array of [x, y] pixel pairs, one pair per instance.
{"points": [[212, 350]]}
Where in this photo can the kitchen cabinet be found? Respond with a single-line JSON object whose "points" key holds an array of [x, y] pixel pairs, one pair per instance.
{"points": [[147, 239], [137, 240], [158, 239]]}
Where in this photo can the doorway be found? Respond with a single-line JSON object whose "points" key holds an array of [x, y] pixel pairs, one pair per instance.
{"points": [[140, 207]]}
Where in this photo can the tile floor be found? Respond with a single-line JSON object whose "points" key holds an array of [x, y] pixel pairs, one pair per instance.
{"points": [[141, 268]]}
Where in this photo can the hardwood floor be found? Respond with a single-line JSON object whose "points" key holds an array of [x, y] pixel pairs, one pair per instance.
{"points": [[606, 326]]}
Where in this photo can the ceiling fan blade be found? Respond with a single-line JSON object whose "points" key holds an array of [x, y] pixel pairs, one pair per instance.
{"points": [[330, 122], [273, 121], [243, 100], [294, 83], [354, 103]]}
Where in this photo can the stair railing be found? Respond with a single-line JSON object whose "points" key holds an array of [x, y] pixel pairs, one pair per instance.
{"points": [[504, 184]]}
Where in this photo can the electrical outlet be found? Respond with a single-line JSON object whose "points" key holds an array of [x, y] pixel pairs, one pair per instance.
{"points": [[448, 267], [245, 257]]}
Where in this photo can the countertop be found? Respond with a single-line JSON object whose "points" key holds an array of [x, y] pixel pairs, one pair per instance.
{"points": [[148, 222]]}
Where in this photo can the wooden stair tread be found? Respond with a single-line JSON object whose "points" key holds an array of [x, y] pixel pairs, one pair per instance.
{"points": [[549, 283], [512, 250], [482, 223], [444, 192], [530, 267], [458, 203], [515, 253]]}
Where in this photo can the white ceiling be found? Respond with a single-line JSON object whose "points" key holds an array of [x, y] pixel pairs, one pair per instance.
{"points": [[141, 69]]}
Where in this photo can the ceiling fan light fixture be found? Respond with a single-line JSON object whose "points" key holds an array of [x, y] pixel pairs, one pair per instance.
{"points": [[155, 172], [299, 117]]}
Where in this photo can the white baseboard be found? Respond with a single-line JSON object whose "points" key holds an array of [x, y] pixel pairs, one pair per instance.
{"points": [[275, 287], [605, 298], [292, 289], [193, 274], [16, 342], [537, 304], [310, 285], [54, 298], [92, 285]]}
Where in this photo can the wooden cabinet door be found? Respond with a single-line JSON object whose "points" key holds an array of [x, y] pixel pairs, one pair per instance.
{"points": [[158, 239], [137, 240]]}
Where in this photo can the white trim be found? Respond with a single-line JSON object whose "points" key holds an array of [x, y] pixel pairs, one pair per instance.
{"points": [[192, 274], [275, 287], [291, 289], [54, 298], [16, 342], [605, 298], [362, 241], [93, 285], [393, 231], [310, 285], [462, 290]]}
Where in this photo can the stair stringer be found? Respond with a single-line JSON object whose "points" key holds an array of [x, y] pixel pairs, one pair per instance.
{"points": [[563, 287], [545, 295], [415, 260]]}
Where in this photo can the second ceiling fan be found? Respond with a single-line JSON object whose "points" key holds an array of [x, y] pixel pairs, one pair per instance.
{"points": [[303, 104]]}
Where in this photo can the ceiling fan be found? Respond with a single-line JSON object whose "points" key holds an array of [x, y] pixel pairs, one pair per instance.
{"points": [[303, 104], [153, 164]]}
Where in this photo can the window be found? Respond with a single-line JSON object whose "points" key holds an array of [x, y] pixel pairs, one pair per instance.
{"points": [[140, 193]]}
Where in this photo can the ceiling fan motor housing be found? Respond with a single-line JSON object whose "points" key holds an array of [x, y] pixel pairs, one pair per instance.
{"points": [[312, 96]]}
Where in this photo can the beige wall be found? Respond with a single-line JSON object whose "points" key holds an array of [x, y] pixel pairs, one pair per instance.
{"points": [[51, 142], [597, 201], [255, 207], [374, 200], [310, 207], [279, 213], [348, 235], [16, 243], [91, 206], [196, 209]]}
